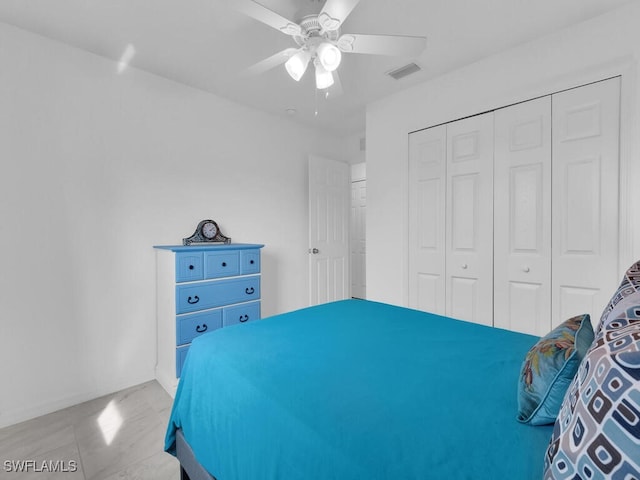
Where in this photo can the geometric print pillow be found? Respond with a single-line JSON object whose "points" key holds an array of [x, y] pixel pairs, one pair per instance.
{"points": [[629, 286], [597, 432]]}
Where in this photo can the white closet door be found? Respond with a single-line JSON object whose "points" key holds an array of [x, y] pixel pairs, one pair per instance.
{"points": [[522, 217], [585, 198], [469, 219], [427, 176]]}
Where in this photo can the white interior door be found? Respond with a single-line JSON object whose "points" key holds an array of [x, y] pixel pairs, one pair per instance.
{"points": [[469, 222], [358, 239], [522, 217], [329, 196], [585, 198], [427, 185]]}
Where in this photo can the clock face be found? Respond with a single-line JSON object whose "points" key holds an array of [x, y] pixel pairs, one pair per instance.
{"points": [[209, 230]]}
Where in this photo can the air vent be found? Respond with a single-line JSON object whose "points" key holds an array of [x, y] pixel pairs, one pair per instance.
{"points": [[402, 72]]}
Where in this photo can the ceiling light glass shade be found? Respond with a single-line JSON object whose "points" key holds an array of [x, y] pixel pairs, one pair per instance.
{"points": [[329, 56], [324, 79], [297, 64]]}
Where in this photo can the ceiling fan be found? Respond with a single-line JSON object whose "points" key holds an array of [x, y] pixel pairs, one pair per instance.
{"points": [[319, 41]]}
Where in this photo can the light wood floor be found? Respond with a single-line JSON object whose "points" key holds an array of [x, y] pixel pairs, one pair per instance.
{"points": [[119, 436]]}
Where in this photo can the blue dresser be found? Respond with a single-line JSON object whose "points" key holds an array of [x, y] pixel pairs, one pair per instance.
{"points": [[201, 288]]}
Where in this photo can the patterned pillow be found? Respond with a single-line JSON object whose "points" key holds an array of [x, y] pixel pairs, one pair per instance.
{"points": [[597, 433], [549, 368], [630, 284]]}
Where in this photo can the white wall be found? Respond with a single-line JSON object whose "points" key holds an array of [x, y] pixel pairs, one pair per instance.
{"points": [[98, 167], [353, 151], [603, 47]]}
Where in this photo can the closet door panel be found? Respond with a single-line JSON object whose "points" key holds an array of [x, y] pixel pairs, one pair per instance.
{"points": [[581, 219], [469, 219], [465, 192], [427, 166], [465, 290], [522, 217], [579, 299], [585, 196]]}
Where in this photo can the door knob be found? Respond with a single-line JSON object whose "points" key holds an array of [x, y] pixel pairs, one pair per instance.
{"points": [[464, 266], [526, 269]]}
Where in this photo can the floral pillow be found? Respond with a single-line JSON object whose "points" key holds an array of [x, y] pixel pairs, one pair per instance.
{"points": [[549, 368]]}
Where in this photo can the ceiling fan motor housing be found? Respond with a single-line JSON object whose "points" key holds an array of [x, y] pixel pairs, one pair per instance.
{"points": [[311, 34]]}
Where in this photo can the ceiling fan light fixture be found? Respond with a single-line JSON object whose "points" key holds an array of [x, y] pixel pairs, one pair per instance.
{"points": [[324, 78], [329, 56], [297, 64]]}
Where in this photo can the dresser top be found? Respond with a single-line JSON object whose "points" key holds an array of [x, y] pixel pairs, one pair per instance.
{"points": [[206, 247]]}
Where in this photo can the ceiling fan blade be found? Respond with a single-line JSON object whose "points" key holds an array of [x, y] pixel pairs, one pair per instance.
{"points": [[395, 45], [266, 16], [335, 12], [270, 62]]}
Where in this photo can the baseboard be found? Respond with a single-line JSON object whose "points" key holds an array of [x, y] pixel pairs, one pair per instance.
{"points": [[169, 383], [45, 407]]}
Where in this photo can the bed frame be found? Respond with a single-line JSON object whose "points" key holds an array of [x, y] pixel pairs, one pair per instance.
{"points": [[190, 468]]}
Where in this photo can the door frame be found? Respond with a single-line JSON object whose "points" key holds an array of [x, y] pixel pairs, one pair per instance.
{"points": [[358, 177]]}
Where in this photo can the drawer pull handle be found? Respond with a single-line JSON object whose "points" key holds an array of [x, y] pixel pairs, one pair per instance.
{"points": [[252, 262], [193, 300], [191, 267], [224, 264], [249, 290], [244, 318], [200, 329]]}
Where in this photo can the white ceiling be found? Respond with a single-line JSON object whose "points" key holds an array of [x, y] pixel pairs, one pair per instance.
{"points": [[207, 44]]}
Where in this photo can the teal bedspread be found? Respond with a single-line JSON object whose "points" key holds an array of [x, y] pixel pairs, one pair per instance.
{"points": [[357, 390]]}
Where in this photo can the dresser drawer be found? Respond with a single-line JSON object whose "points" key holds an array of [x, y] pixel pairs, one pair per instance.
{"points": [[242, 313], [190, 326], [216, 293], [221, 264], [189, 267], [249, 261]]}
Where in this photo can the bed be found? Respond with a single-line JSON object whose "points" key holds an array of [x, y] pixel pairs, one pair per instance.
{"points": [[364, 390], [355, 390]]}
